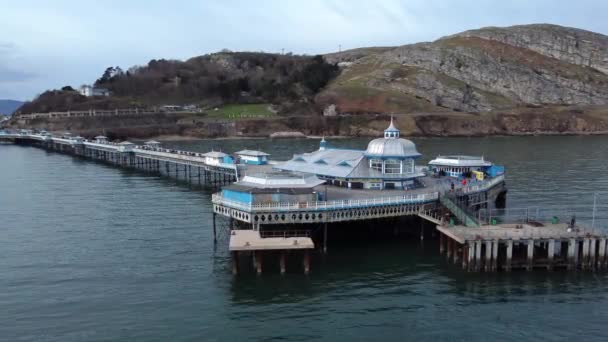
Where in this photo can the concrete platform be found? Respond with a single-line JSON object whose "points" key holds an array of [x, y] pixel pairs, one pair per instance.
{"points": [[558, 231], [525, 246], [250, 240]]}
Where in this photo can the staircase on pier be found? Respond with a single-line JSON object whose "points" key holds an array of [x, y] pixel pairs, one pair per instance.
{"points": [[451, 203]]}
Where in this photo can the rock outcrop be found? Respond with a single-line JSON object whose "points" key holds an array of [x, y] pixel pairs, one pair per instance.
{"points": [[478, 71]]}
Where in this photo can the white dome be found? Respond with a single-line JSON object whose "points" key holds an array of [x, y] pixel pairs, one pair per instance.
{"points": [[391, 147]]}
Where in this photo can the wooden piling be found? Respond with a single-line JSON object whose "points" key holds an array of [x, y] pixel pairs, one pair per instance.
{"points": [[550, 253], [258, 262], [235, 262], [282, 261], [592, 252], [494, 255], [478, 256], [470, 256], [306, 262], [450, 248], [325, 238], [214, 229], [488, 261], [530, 255], [601, 254], [585, 257], [509, 257], [465, 256]]}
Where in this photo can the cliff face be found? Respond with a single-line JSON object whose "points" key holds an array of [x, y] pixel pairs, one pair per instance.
{"points": [[478, 71], [569, 45]]}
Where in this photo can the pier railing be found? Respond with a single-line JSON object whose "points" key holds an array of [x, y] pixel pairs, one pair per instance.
{"points": [[97, 112], [346, 204], [553, 214], [483, 185], [327, 205]]}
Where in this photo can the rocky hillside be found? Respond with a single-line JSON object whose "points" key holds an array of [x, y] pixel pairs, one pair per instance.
{"points": [[475, 71]]}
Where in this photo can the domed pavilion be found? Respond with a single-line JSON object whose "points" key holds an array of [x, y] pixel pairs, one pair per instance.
{"points": [[387, 163]]}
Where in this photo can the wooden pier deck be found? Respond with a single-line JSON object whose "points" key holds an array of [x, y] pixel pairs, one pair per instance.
{"points": [[524, 246]]}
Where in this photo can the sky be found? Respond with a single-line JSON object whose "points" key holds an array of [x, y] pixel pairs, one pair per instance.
{"points": [[49, 44]]}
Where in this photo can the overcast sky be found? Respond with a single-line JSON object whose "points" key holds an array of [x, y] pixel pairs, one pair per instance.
{"points": [[49, 44]]}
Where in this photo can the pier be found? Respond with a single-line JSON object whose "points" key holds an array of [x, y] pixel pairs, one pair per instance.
{"points": [[285, 208], [206, 169]]}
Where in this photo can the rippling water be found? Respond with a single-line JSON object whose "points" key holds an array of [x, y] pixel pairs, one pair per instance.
{"points": [[89, 252]]}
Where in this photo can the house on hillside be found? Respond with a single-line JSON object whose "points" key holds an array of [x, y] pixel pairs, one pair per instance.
{"points": [[88, 91]]}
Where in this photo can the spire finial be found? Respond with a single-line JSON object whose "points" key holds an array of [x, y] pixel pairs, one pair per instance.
{"points": [[391, 131], [323, 144]]}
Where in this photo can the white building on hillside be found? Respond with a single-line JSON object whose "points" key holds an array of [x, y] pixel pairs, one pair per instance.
{"points": [[88, 91]]}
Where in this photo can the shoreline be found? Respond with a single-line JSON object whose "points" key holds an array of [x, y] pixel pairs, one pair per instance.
{"points": [[162, 138]]}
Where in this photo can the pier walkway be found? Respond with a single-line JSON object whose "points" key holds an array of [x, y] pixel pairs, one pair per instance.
{"points": [[185, 165]]}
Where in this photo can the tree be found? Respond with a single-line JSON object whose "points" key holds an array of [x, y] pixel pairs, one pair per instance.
{"points": [[106, 76]]}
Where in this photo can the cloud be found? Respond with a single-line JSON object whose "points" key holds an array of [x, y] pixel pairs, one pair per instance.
{"points": [[9, 65], [73, 42]]}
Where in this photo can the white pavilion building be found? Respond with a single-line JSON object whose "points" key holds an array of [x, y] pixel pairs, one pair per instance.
{"points": [[387, 163]]}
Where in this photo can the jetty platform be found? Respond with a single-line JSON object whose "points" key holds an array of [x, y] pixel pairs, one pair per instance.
{"points": [[252, 241], [524, 246]]}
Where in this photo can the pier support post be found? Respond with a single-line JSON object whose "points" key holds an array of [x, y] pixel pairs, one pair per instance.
{"points": [[592, 253], [601, 254], [550, 253], [585, 260], [457, 251], [465, 256], [258, 262], [421, 230], [470, 255], [235, 263], [530, 255], [478, 255], [282, 262], [450, 248], [214, 229], [509, 256], [306, 262], [488, 261], [441, 243], [495, 255], [325, 238], [571, 253]]}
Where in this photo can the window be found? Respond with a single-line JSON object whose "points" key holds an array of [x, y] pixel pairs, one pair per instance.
{"points": [[392, 166], [376, 164], [408, 166], [375, 185]]}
